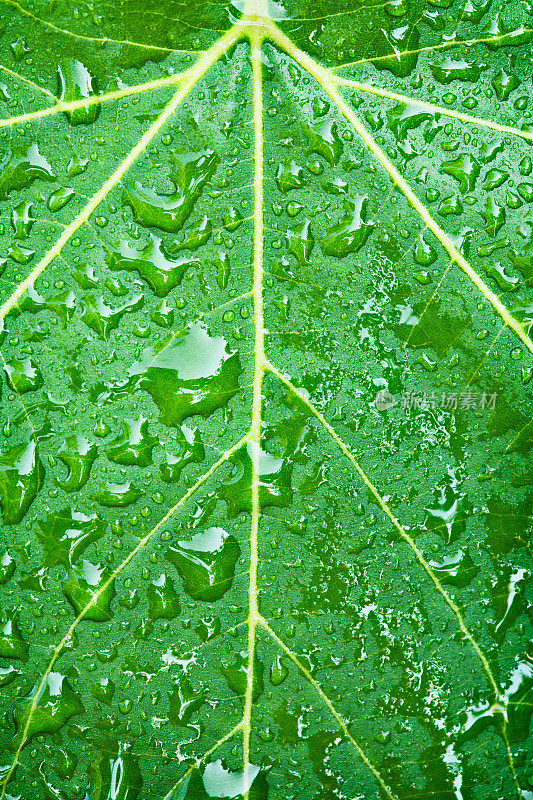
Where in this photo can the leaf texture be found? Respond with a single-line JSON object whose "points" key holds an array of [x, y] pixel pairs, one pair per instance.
{"points": [[266, 334]]}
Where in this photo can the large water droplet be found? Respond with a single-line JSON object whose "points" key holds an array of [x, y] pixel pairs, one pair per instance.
{"points": [[184, 701], [103, 318], [115, 776], [193, 373], [89, 588], [57, 703], [21, 479], [135, 446], [352, 231], [117, 495], [274, 481], [159, 271], [163, 599], [206, 563], [324, 140], [78, 454], [457, 570], [76, 83], [65, 534], [192, 449], [300, 242], [12, 644], [189, 174], [19, 169], [23, 376]]}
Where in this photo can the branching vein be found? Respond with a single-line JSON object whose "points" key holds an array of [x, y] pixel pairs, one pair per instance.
{"points": [[499, 702], [256, 26], [195, 74], [101, 590], [294, 658], [435, 109], [97, 99], [323, 77]]}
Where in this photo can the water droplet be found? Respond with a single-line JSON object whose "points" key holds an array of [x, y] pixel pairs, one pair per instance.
{"points": [[103, 318], [21, 478], [301, 241], [169, 212], [159, 271], [423, 252], [76, 166], [464, 169], [192, 449], [23, 376], [184, 701], [223, 268], [22, 220], [494, 215], [289, 175], [237, 676], [232, 219], [274, 482], [352, 231], [117, 495], [494, 178], [447, 515], [278, 671], [163, 599], [206, 563], [218, 782], [88, 587], [457, 570], [78, 454], [457, 70], [23, 166], [193, 373], [76, 83], [103, 690], [135, 446], [401, 46], [12, 645], [60, 198], [57, 703], [7, 567], [324, 140], [65, 534], [115, 776]]}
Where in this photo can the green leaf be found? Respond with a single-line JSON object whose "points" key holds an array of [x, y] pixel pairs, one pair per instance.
{"points": [[266, 322]]}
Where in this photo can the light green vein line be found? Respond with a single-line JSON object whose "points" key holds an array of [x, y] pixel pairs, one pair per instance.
{"points": [[399, 527], [294, 658], [94, 100], [323, 77], [195, 74], [259, 370], [96, 596], [435, 109], [432, 48], [99, 39], [27, 80]]}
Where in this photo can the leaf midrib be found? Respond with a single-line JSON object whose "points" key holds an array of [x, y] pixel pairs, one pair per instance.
{"points": [[246, 28], [255, 28]]}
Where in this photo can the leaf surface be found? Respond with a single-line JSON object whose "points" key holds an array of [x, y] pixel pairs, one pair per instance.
{"points": [[265, 473]]}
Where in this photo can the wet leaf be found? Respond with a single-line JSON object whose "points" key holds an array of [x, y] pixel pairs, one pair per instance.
{"points": [[266, 320]]}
